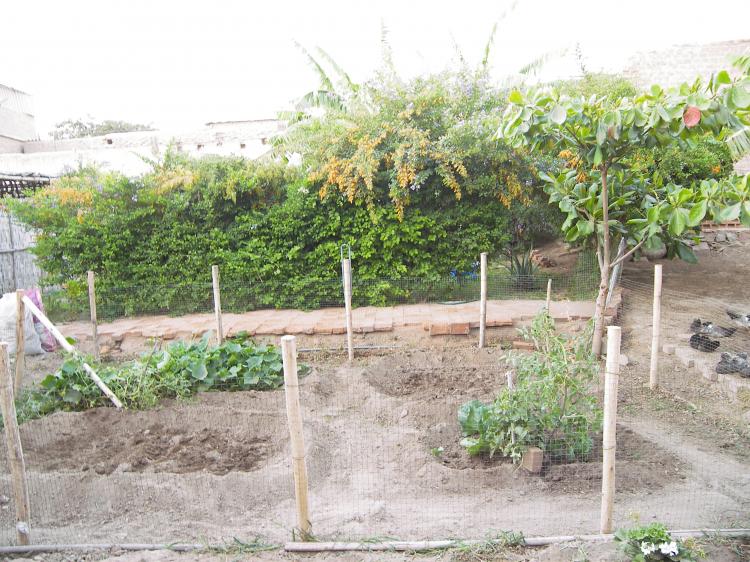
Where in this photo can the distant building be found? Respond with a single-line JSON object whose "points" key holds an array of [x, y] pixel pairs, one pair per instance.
{"points": [[16, 119], [125, 152]]}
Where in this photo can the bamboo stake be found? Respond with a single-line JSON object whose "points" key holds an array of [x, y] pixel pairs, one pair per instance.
{"points": [[14, 448], [217, 304], [483, 299], [549, 296], [294, 417], [609, 440], [20, 341], [347, 275], [70, 349], [653, 379], [92, 308]]}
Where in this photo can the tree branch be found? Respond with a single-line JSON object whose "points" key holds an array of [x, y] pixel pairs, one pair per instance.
{"points": [[629, 253]]}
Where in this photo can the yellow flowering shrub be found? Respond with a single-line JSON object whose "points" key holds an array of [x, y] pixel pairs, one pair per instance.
{"points": [[421, 138]]}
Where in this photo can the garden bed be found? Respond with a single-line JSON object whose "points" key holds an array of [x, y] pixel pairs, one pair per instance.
{"points": [[217, 465]]}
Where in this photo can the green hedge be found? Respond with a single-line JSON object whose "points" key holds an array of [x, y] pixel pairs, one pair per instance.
{"points": [[152, 240]]}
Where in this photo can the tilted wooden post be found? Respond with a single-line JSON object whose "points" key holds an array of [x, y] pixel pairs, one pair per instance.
{"points": [[65, 344], [346, 268], [217, 304], [549, 296], [92, 308], [653, 378], [14, 449], [482, 299], [20, 341], [609, 439], [294, 417]]}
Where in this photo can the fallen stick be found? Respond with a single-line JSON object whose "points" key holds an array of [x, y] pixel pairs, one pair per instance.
{"points": [[413, 546], [70, 349]]}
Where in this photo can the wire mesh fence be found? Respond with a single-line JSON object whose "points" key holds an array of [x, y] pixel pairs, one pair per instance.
{"points": [[393, 440]]}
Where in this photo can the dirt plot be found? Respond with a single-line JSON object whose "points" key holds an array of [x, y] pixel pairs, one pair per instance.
{"points": [[433, 387], [218, 466], [105, 441]]}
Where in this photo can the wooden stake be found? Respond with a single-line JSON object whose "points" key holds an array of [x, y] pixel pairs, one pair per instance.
{"points": [[609, 440], [14, 449], [346, 269], [70, 349], [294, 417], [92, 308], [653, 378], [20, 341], [483, 299], [217, 304], [549, 296]]}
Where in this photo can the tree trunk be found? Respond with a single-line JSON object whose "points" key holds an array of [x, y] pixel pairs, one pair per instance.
{"points": [[601, 305], [601, 299]]}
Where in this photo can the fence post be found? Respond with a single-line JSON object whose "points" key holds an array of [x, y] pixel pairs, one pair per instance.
{"points": [[653, 378], [347, 275], [12, 241], [609, 439], [294, 418], [483, 299], [14, 448], [20, 341], [217, 304], [549, 296], [92, 308]]}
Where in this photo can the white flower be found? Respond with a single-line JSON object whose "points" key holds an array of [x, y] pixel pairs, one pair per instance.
{"points": [[669, 548], [647, 548]]}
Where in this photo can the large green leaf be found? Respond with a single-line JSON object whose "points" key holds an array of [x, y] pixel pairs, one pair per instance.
{"points": [[598, 156], [697, 213], [686, 253], [723, 77], [198, 370], [740, 97], [729, 213], [72, 396], [678, 222], [254, 362], [470, 417], [745, 214], [558, 114], [585, 228]]}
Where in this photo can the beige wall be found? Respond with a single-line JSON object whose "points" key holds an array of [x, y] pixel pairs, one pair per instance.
{"points": [[683, 63], [10, 145], [15, 125]]}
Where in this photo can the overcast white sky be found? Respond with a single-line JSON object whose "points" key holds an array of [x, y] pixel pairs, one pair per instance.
{"points": [[177, 64]]}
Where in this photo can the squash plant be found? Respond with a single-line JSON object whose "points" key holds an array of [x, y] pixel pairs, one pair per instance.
{"points": [[179, 371]]}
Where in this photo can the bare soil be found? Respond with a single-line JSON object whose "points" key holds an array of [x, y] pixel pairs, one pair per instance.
{"points": [[692, 406], [104, 441]]}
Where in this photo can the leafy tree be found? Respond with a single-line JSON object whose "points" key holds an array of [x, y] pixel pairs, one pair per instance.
{"points": [[336, 90], [78, 128], [605, 198]]}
